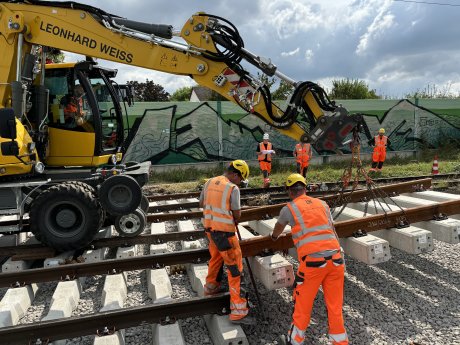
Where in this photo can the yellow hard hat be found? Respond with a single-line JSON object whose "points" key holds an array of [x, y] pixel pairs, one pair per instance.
{"points": [[382, 130], [241, 166], [294, 178]]}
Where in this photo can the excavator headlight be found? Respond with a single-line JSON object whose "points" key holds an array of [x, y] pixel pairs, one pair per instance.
{"points": [[39, 168], [114, 159]]}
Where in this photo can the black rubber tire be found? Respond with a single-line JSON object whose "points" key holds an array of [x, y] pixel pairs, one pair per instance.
{"points": [[132, 224], [92, 190], [66, 216], [144, 206], [120, 194]]}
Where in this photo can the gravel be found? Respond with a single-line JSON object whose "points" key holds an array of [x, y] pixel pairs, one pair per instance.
{"points": [[412, 299]]}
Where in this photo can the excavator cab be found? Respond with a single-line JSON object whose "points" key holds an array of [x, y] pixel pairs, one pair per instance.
{"points": [[85, 119]]}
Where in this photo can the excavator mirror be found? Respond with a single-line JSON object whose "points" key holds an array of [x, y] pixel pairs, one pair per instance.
{"points": [[7, 124], [10, 148]]}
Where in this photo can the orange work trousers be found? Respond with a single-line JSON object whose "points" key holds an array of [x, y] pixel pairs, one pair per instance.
{"points": [[267, 166], [329, 274], [233, 260], [379, 155]]}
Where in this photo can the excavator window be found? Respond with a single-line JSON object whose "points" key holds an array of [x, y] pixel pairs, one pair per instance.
{"points": [[69, 107], [107, 111]]}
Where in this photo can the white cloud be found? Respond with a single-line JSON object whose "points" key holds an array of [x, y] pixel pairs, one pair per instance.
{"points": [[291, 53], [309, 55], [395, 47]]}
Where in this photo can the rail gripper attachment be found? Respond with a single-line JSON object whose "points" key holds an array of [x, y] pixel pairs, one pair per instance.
{"points": [[105, 331], [168, 320], [38, 341], [440, 216], [359, 233]]}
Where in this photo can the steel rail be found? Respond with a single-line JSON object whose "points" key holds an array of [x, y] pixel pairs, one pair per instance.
{"points": [[95, 324], [250, 247], [273, 210], [31, 252], [329, 185]]}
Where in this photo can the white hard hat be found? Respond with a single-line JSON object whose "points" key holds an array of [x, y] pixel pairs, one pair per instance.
{"points": [[265, 137]]}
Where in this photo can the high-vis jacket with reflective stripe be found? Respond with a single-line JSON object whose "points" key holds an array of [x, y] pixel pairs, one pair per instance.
{"points": [[313, 230], [216, 205], [302, 153], [262, 157], [381, 142]]}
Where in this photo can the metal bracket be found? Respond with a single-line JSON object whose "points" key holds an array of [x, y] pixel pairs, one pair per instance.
{"points": [[168, 320], [403, 223], [39, 342], [440, 216], [105, 331], [359, 233]]}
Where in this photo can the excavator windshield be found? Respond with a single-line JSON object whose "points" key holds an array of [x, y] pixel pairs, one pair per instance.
{"points": [[83, 100]]}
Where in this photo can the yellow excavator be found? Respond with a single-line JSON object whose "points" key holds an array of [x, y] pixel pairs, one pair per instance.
{"points": [[63, 127]]}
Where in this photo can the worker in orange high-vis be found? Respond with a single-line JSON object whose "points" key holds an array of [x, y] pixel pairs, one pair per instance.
{"points": [[380, 143], [264, 155], [302, 153], [320, 261], [220, 200]]}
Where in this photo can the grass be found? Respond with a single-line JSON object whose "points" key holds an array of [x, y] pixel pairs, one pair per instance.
{"points": [[178, 181]]}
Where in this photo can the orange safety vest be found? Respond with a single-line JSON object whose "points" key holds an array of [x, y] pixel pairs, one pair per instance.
{"points": [[75, 105], [267, 157], [216, 205], [381, 142], [302, 153], [313, 230]]}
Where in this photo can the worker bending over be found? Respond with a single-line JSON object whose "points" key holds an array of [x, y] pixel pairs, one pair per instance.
{"points": [[380, 143], [220, 200], [302, 153], [320, 261], [264, 155]]}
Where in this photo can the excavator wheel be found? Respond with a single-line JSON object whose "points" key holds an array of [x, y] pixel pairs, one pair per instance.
{"points": [[90, 189], [66, 216], [132, 224], [120, 194]]}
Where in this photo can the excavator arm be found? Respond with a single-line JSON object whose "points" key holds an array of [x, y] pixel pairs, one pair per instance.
{"points": [[209, 49]]}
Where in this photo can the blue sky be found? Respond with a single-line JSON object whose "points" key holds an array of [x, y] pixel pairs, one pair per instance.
{"points": [[396, 47]]}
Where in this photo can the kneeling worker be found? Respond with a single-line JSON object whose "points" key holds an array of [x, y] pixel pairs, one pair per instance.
{"points": [[320, 261], [220, 200]]}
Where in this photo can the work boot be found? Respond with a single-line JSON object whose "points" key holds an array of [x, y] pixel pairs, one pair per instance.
{"points": [[247, 320]]}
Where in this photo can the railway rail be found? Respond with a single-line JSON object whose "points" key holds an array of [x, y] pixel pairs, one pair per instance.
{"points": [[107, 322], [313, 188], [29, 252]]}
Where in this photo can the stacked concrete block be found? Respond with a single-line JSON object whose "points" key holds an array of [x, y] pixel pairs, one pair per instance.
{"points": [[410, 239], [184, 226], [273, 271], [15, 303], [369, 249], [156, 229]]}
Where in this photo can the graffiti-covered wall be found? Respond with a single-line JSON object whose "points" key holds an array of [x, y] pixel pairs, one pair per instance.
{"points": [[186, 132]]}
